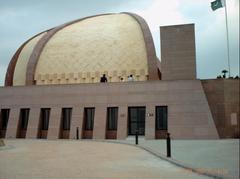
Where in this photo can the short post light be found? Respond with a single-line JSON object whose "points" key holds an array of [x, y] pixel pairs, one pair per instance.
{"points": [[136, 137], [168, 145], [77, 133]]}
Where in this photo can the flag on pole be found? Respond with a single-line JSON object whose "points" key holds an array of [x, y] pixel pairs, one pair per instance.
{"points": [[217, 4]]}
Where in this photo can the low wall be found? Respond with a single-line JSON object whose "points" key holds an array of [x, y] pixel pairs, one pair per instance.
{"points": [[223, 99]]}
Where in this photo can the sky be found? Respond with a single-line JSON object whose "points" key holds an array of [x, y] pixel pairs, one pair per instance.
{"points": [[22, 19]]}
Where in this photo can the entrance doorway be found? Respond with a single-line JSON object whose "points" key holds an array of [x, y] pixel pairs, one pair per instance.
{"points": [[136, 120]]}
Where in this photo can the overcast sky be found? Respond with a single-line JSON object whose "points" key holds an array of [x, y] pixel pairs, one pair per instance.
{"points": [[22, 19]]}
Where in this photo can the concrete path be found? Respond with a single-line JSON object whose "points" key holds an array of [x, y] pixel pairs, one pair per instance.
{"points": [[83, 159], [216, 157]]}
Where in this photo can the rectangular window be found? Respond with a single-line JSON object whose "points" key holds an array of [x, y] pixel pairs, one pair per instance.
{"points": [[161, 118], [89, 118], [45, 114], [112, 118], [24, 115], [66, 118], [136, 120], [4, 118]]}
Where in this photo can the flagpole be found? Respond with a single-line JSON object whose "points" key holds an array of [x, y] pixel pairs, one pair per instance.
{"points": [[228, 56]]}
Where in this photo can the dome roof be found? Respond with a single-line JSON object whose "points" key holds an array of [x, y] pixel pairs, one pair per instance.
{"points": [[82, 50]]}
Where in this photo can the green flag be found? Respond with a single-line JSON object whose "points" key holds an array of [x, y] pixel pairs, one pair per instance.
{"points": [[216, 4]]}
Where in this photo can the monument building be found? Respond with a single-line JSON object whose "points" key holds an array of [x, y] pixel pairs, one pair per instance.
{"points": [[53, 90]]}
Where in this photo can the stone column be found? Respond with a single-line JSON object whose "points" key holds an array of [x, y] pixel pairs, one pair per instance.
{"points": [[150, 122], [13, 123], [33, 123], [99, 128], [76, 121], [122, 122], [54, 123]]}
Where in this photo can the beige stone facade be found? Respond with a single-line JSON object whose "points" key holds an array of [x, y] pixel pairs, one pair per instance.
{"points": [[60, 95], [178, 54], [223, 100], [21, 66], [82, 51], [91, 48], [189, 115]]}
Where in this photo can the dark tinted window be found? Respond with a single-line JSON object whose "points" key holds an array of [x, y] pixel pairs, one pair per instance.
{"points": [[136, 120], [89, 118], [112, 118], [24, 115], [161, 118], [66, 118], [4, 118], [45, 114]]}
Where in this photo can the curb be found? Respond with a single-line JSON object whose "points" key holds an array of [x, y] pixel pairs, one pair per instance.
{"points": [[172, 161], [179, 164]]}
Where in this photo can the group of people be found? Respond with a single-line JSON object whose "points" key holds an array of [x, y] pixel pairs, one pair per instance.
{"points": [[103, 79]]}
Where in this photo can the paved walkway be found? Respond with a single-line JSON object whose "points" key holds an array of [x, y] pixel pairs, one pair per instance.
{"points": [[83, 159], [216, 157]]}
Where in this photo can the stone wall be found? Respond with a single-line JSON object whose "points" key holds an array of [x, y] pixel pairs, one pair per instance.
{"points": [[223, 99], [189, 115], [178, 54]]}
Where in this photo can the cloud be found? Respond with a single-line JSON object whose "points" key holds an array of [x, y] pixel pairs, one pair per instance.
{"points": [[210, 31], [211, 38], [161, 13]]}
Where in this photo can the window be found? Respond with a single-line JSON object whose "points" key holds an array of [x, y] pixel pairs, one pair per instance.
{"points": [[45, 114], [112, 117], [161, 117], [4, 118], [24, 115], [136, 120], [66, 118], [89, 118]]}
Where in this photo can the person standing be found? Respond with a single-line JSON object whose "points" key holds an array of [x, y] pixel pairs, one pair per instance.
{"points": [[130, 78], [103, 79]]}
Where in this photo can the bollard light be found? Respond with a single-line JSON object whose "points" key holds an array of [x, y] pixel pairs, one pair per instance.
{"points": [[168, 145], [136, 137], [77, 133]]}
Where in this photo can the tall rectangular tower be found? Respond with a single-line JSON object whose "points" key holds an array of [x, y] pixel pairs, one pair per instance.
{"points": [[178, 56]]}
